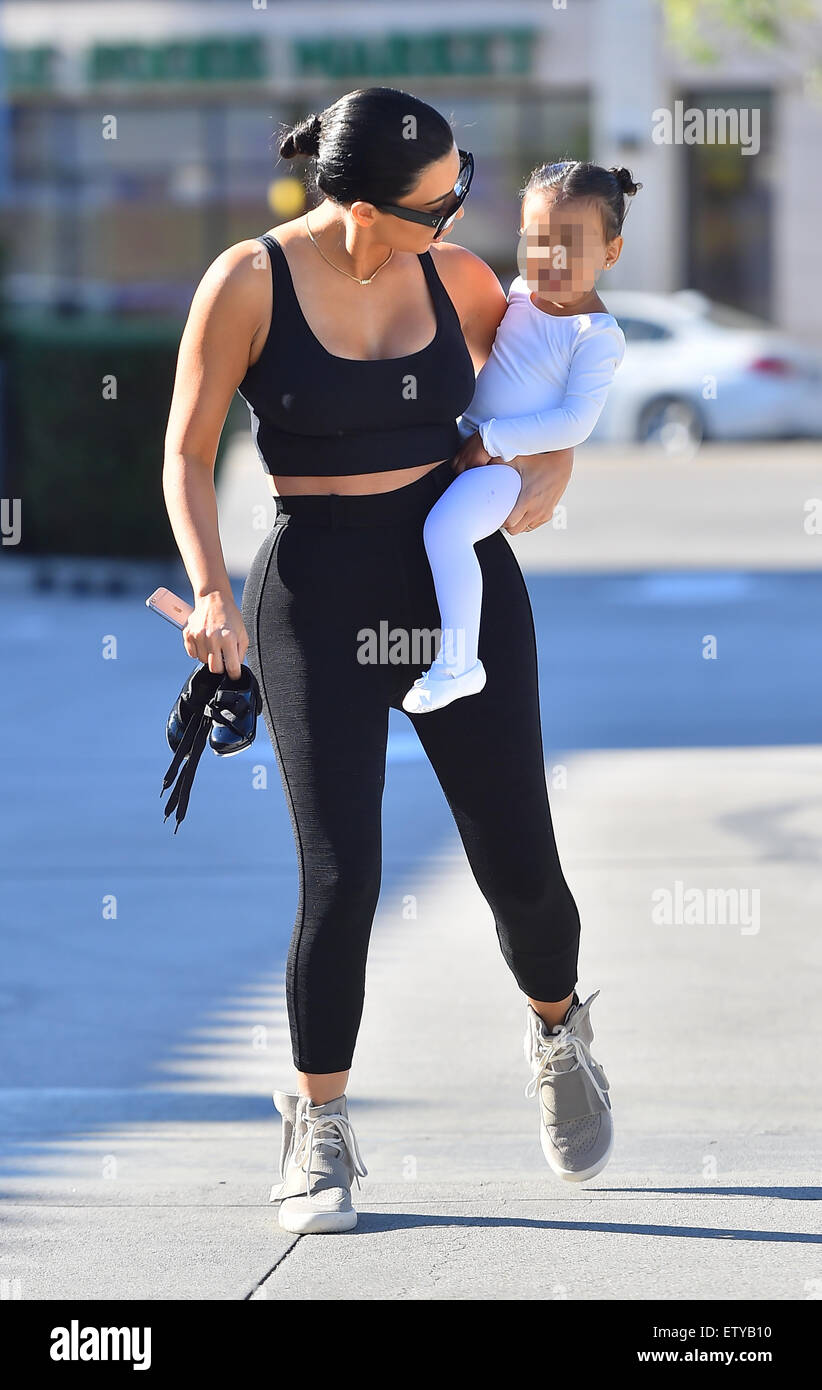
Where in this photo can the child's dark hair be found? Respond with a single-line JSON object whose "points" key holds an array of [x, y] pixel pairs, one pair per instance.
{"points": [[373, 143], [574, 178]]}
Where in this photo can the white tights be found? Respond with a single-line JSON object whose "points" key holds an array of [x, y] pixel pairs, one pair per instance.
{"points": [[474, 505]]}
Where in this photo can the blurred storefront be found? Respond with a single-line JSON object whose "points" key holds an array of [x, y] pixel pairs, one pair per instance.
{"points": [[141, 137]]}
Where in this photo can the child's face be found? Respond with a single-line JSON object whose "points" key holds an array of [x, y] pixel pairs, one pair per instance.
{"points": [[562, 246]]}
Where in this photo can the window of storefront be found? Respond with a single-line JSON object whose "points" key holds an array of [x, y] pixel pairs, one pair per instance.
{"points": [[728, 251], [133, 220], [510, 135]]}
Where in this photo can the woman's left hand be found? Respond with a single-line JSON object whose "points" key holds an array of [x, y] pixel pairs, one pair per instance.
{"points": [[471, 454], [544, 480]]}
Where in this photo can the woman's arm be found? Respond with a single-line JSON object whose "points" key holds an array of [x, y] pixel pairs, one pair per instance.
{"points": [[544, 479], [476, 294], [223, 321]]}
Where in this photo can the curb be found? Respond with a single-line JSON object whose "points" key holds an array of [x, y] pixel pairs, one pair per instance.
{"points": [[87, 576], [90, 576]]}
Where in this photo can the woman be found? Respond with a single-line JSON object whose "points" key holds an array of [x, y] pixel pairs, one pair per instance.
{"points": [[355, 348]]}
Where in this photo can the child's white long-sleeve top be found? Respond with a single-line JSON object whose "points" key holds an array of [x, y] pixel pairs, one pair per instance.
{"points": [[545, 381]]}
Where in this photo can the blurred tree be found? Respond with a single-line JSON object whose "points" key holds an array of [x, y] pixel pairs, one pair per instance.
{"points": [[698, 27]]}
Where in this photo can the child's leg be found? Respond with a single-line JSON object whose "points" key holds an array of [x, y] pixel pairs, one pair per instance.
{"points": [[472, 507]]}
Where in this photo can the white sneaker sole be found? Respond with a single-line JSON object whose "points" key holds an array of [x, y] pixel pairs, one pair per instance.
{"points": [[584, 1173], [316, 1222]]}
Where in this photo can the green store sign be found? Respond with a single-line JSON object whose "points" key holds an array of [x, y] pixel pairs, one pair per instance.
{"points": [[198, 62], [30, 69], [202, 60], [471, 53]]}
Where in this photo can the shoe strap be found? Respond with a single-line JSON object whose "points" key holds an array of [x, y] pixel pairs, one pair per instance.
{"points": [[188, 754], [227, 706]]}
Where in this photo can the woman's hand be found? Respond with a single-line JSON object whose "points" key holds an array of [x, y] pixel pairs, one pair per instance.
{"points": [[544, 480], [471, 454], [216, 635]]}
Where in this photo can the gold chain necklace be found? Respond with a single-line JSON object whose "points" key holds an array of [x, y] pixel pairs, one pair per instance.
{"points": [[339, 268]]}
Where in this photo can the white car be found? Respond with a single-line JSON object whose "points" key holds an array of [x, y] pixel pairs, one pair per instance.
{"points": [[695, 369]]}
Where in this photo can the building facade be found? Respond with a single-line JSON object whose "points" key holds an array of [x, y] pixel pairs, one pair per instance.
{"points": [[140, 138]]}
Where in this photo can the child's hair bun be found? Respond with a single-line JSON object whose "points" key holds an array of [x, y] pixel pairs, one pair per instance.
{"points": [[573, 178], [625, 180]]}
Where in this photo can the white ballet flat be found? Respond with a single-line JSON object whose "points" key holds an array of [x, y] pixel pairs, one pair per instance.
{"points": [[427, 693]]}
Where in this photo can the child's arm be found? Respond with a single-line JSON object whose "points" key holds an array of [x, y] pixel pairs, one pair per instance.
{"points": [[595, 359]]}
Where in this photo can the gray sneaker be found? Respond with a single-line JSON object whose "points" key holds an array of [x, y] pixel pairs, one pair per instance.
{"points": [[319, 1158], [576, 1128]]}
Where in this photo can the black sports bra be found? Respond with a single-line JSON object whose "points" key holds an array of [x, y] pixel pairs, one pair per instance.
{"points": [[316, 414]]}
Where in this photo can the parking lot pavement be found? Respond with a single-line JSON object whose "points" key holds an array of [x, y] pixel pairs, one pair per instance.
{"points": [[731, 506], [142, 1024]]}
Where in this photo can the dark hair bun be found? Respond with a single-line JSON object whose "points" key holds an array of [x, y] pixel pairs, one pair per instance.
{"points": [[303, 139], [359, 148], [625, 180]]}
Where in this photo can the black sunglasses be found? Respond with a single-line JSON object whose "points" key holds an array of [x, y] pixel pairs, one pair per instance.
{"points": [[439, 221]]}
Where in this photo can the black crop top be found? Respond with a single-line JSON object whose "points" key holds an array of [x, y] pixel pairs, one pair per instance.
{"points": [[313, 413]]}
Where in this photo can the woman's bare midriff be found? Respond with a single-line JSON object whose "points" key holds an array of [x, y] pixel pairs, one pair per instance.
{"points": [[353, 485]]}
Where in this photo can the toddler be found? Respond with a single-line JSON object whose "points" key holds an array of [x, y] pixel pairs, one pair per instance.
{"points": [[543, 388]]}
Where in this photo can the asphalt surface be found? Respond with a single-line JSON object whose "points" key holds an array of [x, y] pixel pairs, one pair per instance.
{"points": [[142, 1021]]}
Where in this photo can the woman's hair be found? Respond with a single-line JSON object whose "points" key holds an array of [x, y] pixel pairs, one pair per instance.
{"points": [[373, 144], [574, 178]]}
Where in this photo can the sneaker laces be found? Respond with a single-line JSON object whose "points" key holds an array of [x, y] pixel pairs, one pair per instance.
{"points": [[564, 1045], [322, 1133]]}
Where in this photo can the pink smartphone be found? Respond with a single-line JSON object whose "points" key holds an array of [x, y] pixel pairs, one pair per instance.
{"points": [[175, 610]]}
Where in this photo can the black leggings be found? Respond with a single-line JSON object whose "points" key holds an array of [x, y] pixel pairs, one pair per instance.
{"points": [[331, 567]]}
